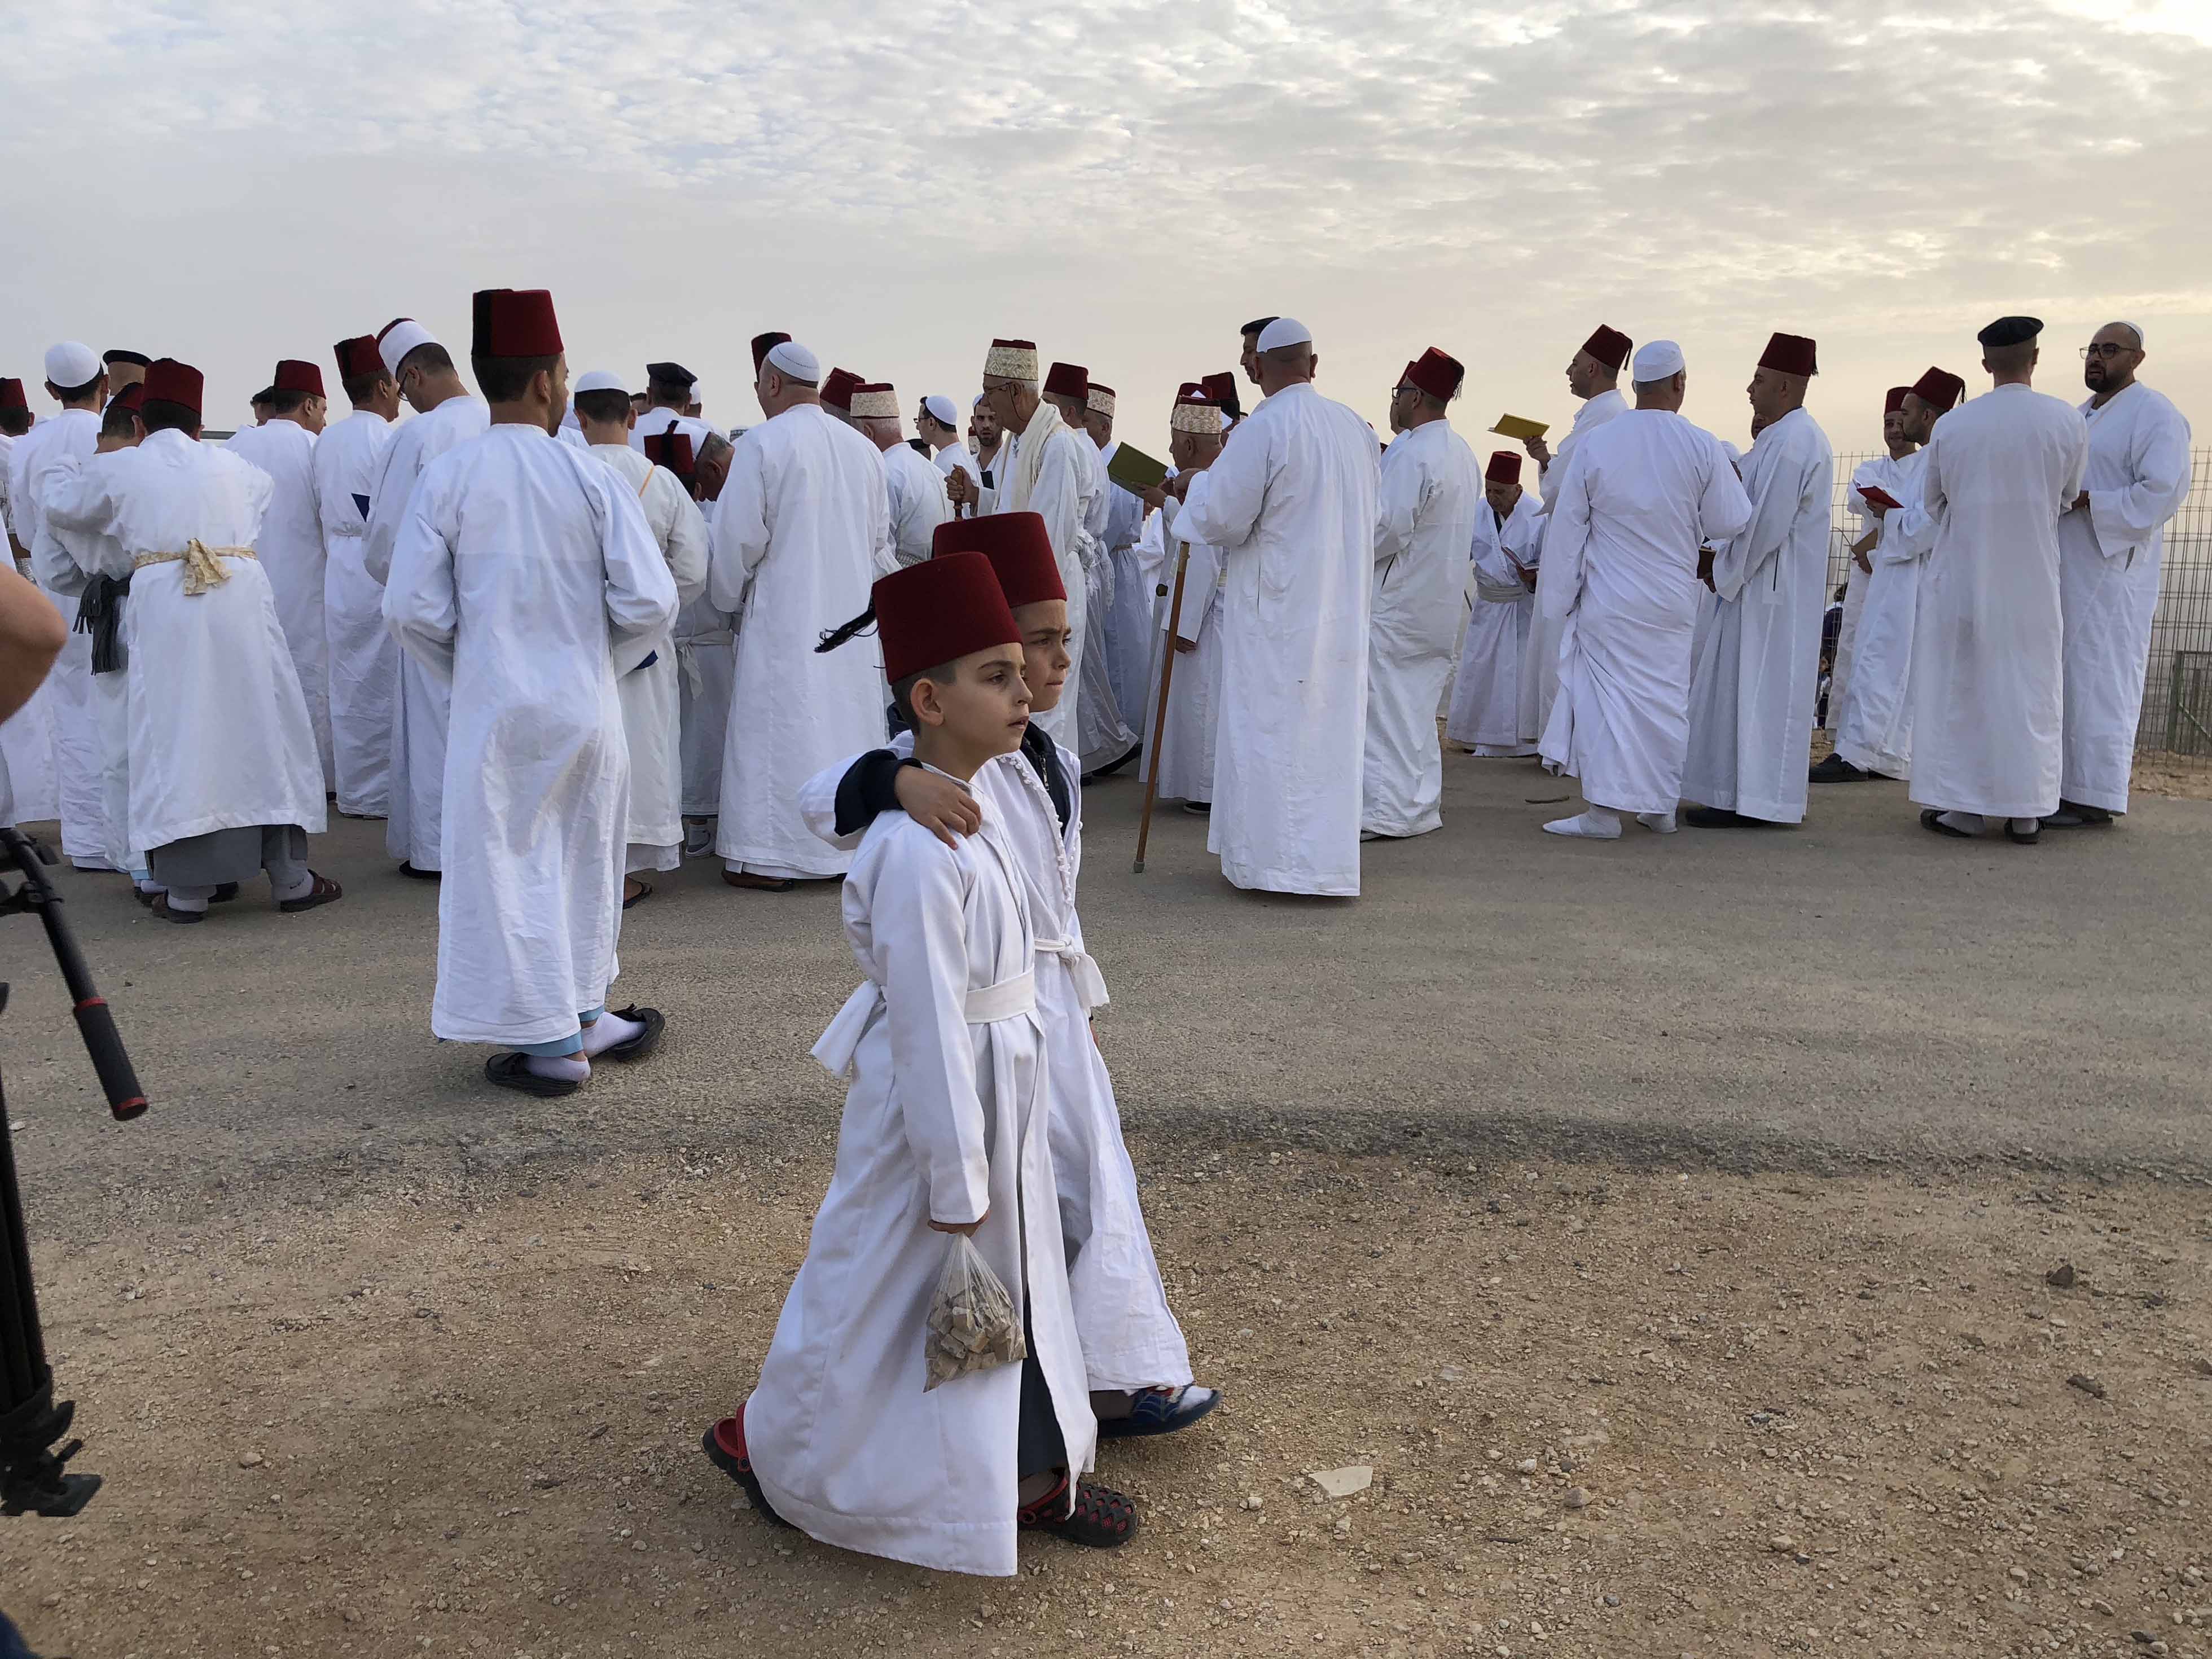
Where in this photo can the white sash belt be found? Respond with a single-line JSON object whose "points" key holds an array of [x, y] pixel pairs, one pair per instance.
{"points": [[687, 657], [1090, 983], [840, 1043]]}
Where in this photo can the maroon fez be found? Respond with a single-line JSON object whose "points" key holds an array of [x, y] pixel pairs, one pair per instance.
{"points": [[671, 449], [11, 395], [938, 612], [1192, 389], [292, 375], [514, 322], [1437, 372], [1939, 389], [1790, 354], [132, 397], [1067, 380], [837, 390], [1018, 547], [168, 381], [764, 344], [1221, 387], [1504, 467], [1894, 399], [1610, 347], [359, 359]]}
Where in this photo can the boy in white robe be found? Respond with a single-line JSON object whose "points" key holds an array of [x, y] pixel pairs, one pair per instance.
{"points": [[1137, 1362], [706, 664], [1485, 705], [945, 1131], [526, 583], [364, 657], [1885, 472]]}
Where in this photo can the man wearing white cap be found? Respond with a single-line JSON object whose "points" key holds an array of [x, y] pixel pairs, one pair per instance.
{"points": [[937, 423], [1183, 759], [75, 380], [1291, 505], [802, 527], [1641, 496], [915, 487], [446, 416], [651, 693]]}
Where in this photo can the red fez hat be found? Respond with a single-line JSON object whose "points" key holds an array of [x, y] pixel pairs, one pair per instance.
{"points": [[1191, 389], [292, 375], [358, 358], [11, 395], [837, 390], [764, 344], [1067, 380], [1789, 354], [170, 382], [1504, 467], [130, 397], [1221, 387], [1894, 399], [1018, 547], [671, 449], [514, 322], [1610, 347], [1436, 372], [938, 612], [1939, 389]]}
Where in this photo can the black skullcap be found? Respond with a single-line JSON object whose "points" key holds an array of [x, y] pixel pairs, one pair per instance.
{"points": [[1256, 325], [137, 358], [669, 374], [2010, 331]]}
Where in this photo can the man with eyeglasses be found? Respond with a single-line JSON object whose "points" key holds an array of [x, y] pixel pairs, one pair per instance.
{"points": [[2109, 545]]}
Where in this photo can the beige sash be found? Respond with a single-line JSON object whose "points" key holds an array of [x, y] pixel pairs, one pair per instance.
{"points": [[202, 566]]}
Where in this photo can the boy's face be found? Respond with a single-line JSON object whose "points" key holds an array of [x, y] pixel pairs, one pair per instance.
{"points": [[983, 709], [1045, 660]]}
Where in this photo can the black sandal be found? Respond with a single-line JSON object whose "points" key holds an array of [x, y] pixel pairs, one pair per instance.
{"points": [[753, 884], [511, 1071], [324, 891], [644, 1042], [725, 1446], [644, 892], [159, 904], [1931, 818], [1102, 1519]]}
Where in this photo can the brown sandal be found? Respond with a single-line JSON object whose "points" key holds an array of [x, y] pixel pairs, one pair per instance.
{"points": [[759, 884], [324, 891]]}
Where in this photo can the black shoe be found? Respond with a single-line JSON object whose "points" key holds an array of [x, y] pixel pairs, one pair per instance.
{"points": [[2019, 838], [1719, 818], [1837, 769], [513, 1071], [1932, 819], [421, 875]]}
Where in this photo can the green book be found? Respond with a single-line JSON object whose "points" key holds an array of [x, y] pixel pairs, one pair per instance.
{"points": [[1136, 472]]}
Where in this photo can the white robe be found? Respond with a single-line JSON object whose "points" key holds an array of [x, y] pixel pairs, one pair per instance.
{"points": [[1759, 666], [1069, 481], [1541, 685], [1125, 629], [413, 829], [1485, 704], [89, 554], [219, 738], [1987, 651], [800, 532], [1428, 495], [526, 581], [1291, 505], [1186, 754], [364, 657], [293, 558], [947, 1118], [1876, 731], [79, 763], [1883, 472], [651, 693], [2109, 555], [918, 503], [1620, 546], [707, 668]]}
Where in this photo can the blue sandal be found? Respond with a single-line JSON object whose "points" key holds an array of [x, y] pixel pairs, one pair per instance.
{"points": [[1160, 1411]]}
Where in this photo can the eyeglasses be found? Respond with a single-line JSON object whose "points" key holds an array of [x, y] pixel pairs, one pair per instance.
{"points": [[2107, 349]]}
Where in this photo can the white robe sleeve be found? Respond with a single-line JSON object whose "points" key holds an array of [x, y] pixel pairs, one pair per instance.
{"points": [[1785, 481], [1723, 509], [1403, 491], [2126, 519], [420, 606], [740, 533], [1059, 497], [1200, 580], [687, 540], [388, 508], [641, 591], [1908, 532], [1226, 498], [818, 796], [920, 929], [1566, 538], [1494, 565], [80, 505]]}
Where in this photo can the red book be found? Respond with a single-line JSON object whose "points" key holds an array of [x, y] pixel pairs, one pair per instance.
{"points": [[1879, 496]]}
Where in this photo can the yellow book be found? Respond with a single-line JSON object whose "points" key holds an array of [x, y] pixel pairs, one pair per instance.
{"points": [[1520, 426]]}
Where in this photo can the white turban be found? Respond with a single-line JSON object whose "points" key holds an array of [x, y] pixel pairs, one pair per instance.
{"points": [[1659, 360], [600, 379], [795, 362], [1284, 331], [71, 364], [400, 338]]}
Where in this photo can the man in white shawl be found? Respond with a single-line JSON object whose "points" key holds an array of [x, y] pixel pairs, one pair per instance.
{"points": [[1429, 495], [2108, 546], [1486, 699], [526, 579], [1184, 763], [1757, 667], [446, 417], [1593, 376], [802, 527], [1291, 505], [651, 694], [291, 545], [364, 658], [1988, 649], [224, 780], [1621, 544]]}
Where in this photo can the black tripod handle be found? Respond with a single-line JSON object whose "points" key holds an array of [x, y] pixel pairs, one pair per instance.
{"points": [[101, 1040]]}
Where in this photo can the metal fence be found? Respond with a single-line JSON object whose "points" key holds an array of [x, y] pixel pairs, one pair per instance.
{"points": [[2177, 708]]}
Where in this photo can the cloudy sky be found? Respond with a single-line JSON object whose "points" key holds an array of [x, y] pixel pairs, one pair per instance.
{"points": [[231, 182]]}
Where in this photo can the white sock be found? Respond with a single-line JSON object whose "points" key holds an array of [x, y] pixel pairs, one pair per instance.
{"points": [[2027, 826], [187, 904], [563, 1068], [1598, 823], [1661, 824], [147, 884], [1970, 822], [602, 1033], [298, 890]]}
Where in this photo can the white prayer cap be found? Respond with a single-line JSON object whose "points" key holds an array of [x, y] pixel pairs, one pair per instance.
{"points": [[600, 379], [942, 410], [2135, 328], [1659, 360], [401, 336], [71, 364], [1284, 331], [794, 361], [978, 403]]}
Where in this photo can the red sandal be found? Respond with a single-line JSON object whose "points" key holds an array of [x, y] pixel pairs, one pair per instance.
{"points": [[725, 1446], [1102, 1519]]}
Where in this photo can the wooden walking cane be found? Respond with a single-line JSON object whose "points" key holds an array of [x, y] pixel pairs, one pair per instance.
{"points": [[1160, 720]]}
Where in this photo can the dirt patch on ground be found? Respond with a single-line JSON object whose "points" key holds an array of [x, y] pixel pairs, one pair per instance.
{"points": [[1607, 1414], [2185, 777]]}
